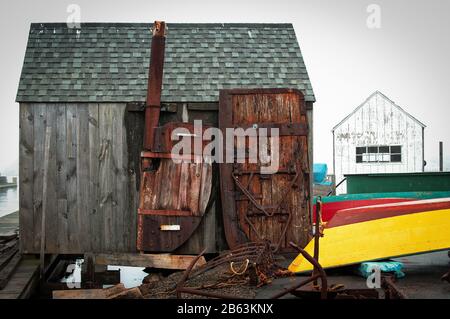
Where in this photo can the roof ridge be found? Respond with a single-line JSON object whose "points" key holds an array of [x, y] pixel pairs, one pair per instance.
{"points": [[174, 24]]}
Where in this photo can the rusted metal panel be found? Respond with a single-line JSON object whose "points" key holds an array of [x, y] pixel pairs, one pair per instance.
{"points": [[256, 206]]}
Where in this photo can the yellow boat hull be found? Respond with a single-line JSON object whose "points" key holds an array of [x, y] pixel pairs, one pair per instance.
{"points": [[379, 239]]}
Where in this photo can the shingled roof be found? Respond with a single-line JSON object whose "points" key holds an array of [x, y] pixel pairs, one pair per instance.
{"points": [[108, 62]]}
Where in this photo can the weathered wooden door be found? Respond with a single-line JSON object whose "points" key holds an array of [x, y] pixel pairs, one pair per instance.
{"points": [[174, 194], [259, 205]]}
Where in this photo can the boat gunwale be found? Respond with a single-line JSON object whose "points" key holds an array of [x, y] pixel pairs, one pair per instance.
{"points": [[367, 213]]}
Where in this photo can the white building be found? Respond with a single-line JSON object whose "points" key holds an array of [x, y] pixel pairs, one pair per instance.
{"points": [[377, 137]]}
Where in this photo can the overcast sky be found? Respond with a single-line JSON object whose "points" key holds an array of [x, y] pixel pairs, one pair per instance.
{"points": [[407, 58]]}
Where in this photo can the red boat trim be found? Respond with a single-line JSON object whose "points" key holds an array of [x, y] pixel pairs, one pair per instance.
{"points": [[368, 213], [331, 208]]}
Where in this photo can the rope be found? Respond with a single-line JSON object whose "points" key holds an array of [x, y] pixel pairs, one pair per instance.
{"points": [[239, 272]]}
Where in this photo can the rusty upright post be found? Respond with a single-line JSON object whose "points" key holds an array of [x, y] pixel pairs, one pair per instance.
{"points": [[155, 77], [318, 219], [320, 274]]}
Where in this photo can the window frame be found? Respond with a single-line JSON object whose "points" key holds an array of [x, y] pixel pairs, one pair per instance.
{"points": [[368, 155]]}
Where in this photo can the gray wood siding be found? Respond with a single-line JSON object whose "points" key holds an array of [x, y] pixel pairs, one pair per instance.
{"points": [[88, 180]]}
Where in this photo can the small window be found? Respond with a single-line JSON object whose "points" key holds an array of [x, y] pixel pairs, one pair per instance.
{"points": [[384, 149], [379, 154], [396, 149], [396, 158], [361, 150]]}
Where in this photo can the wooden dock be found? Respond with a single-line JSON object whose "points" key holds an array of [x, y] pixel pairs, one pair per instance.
{"points": [[23, 280], [18, 274]]}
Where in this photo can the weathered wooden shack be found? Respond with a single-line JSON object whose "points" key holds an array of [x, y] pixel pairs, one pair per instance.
{"points": [[377, 137], [89, 85]]}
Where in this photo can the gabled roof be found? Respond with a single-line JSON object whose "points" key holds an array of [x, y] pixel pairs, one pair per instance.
{"points": [[109, 61], [384, 97]]}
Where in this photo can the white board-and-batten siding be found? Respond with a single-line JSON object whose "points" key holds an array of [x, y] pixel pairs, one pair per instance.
{"points": [[377, 122]]}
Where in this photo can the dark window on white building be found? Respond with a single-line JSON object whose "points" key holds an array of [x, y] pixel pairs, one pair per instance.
{"points": [[379, 154]]}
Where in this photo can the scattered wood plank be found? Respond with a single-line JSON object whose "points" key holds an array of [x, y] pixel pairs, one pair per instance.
{"points": [[163, 261], [114, 290], [133, 293], [47, 288], [90, 293], [80, 294]]}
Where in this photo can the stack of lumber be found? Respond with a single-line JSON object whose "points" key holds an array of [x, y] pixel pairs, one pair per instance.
{"points": [[9, 257]]}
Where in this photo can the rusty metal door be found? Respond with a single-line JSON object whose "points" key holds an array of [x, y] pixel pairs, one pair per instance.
{"points": [[257, 205]]}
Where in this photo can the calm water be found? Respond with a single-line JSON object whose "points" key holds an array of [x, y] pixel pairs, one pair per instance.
{"points": [[9, 200]]}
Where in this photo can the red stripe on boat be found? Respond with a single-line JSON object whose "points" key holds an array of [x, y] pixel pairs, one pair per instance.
{"points": [[367, 213], [330, 209]]}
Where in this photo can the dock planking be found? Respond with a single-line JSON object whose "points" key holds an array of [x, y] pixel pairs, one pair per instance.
{"points": [[17, 275], [21, 283]]}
